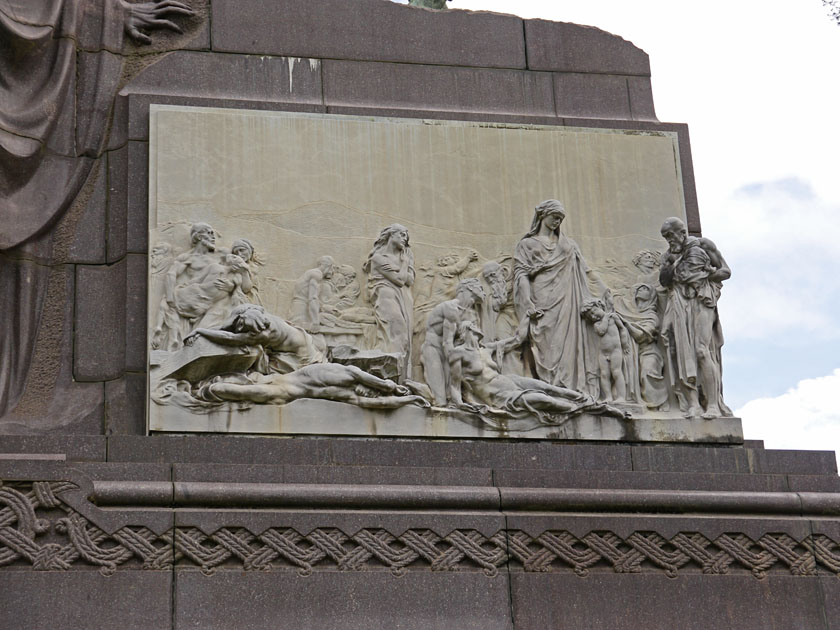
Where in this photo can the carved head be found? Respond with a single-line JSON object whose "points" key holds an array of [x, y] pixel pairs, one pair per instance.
{"points": [[469, 334], [327, 266], [675, 233], [495, 275], [593, 310], [645, 297], [242, 247], [204, 234], [646, 260], [395, 234], [343, 276], [446, 260], [471, 289], [551, 212], [247, 318]]}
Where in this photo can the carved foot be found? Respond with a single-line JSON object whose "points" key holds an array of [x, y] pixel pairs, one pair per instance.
{"points": [[712, 412]]}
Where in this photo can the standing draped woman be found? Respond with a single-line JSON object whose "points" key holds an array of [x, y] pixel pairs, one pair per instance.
{"points": [[549, 284], [390, 269]]}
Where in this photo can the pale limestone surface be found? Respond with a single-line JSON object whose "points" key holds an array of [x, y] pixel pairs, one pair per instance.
{"points": [[300, 187], [325, 417]]}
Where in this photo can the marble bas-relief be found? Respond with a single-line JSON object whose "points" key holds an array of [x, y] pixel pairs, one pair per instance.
{"points": [[500, 330]]}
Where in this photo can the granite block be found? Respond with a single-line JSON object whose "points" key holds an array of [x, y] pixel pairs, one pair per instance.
{"points": [[812, 483], [116, 229], [119, 123], [691, 459], [138, 108], [83, 226], [97, 78], [830, 589], [99, 342], [306, 474], [86, 599], [76, 448], [531, 478], [566, 47], [51, 400], [617, 602], [125, 405], [392, 86], [793, 462], [135, 313], [370, 30], [222, 449], [124, 471], [241, 77], [592, 96], [137, 202], [370, 600], [641, 98]]}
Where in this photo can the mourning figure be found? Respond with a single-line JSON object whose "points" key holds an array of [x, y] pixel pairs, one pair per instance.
{"points": [[475, 368], [693, 270], [201, 286], [284, 347], [644, 329], [390, 270]]}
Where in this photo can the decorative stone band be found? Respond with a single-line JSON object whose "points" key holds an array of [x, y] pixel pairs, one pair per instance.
{"points": [[42, 527]]}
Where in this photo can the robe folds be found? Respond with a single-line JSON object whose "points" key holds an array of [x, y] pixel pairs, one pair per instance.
{"points": [[554, 274]]}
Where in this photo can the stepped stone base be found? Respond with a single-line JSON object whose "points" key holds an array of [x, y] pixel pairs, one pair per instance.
{"points": [[230, 531]]}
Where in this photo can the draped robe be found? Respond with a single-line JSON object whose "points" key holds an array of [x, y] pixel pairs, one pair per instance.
{"points": [[562, 346]]}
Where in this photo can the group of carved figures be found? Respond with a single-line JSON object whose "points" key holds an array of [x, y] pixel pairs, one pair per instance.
{"points": [[537, 335]]}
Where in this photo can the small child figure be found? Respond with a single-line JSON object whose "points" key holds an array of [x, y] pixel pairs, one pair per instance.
{"points": [[610, 352]]}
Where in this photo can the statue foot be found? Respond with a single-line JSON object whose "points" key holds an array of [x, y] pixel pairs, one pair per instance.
{"points": [[711, 412], [421, 402]]}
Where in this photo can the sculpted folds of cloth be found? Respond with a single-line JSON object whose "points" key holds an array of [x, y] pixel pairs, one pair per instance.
{"points": [[550, 287], [692, 270], [390, 269]]}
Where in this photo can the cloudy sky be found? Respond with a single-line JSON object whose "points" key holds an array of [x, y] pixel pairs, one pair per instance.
{"points": [[757, 83]]}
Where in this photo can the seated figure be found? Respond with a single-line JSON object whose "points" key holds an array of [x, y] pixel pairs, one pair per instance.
{"points": [[478, 372], [285, 347]]}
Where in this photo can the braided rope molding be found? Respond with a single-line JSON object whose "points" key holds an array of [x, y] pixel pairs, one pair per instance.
{"points": [[74, 539]]}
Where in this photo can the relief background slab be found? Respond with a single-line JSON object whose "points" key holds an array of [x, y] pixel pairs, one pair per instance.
{"points": [[300, 186]]}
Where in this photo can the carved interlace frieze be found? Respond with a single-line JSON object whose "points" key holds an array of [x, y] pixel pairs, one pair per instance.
{"points": [[41, 531]]}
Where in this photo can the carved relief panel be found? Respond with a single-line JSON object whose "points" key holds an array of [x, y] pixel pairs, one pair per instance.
{"points": [[347, 275]]}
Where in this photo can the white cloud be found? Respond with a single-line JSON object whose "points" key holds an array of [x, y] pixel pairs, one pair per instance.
{"points": [[780, 240], [805, 417]]}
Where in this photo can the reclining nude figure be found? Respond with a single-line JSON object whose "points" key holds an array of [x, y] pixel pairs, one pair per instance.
{"points": [[285, 347], [479, 373], [330, 381]]}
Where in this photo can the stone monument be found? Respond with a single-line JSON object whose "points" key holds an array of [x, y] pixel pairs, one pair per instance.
{"points": [[312, 322]]}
